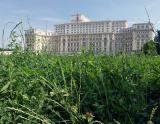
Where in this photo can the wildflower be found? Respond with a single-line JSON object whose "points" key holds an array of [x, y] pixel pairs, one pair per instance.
{"points": [[88, 114]]}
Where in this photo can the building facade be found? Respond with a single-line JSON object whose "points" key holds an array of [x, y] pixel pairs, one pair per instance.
{"points": [[133, 38], [82, 25], [98, 36], [37, 40], [101, 42]]}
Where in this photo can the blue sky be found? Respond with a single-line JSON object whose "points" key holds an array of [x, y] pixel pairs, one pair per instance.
{"points": [[50, 12]]}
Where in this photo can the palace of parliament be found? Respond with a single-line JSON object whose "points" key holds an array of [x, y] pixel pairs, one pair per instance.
{"points": [[100, 36]]}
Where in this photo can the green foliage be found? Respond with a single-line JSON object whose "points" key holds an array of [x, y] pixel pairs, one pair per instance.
{"points": [[79, 89], [157, 37], [150, 48]]}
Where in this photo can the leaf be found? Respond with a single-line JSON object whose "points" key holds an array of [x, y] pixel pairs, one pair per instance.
{"points": [[5, 87]]}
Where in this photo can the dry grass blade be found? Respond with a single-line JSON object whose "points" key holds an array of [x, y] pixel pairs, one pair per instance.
{"points": [[29, 114]]}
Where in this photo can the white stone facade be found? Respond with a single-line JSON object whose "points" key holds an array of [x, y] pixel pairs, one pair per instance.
{"points": [[133, 38], [81, 26], [99, 36], [37, 39]]}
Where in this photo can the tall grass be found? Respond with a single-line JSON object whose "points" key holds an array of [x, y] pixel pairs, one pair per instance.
{"points": [[78, 89]]}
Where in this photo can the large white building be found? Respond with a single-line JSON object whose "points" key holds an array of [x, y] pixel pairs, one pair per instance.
{"points": [[82, 25], [133, 38], [99, 36], [37, 39]]}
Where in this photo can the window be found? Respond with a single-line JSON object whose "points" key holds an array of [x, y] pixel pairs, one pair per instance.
{"points": [[84, 43], [77, 44]]}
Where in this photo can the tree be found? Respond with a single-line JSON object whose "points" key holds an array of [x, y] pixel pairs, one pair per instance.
{"points": [[149, 48], [157, 39]]}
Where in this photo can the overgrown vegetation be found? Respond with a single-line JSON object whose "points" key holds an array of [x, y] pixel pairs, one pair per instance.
{"points": [[79, 89]]}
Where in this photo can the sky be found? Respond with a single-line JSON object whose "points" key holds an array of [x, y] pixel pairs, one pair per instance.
{"points": [[46, 13]]}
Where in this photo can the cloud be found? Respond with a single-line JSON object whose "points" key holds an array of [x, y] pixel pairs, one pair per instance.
{"points": [[51, 19]]}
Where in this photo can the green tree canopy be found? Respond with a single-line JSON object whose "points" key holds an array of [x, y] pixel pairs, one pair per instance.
{"points": [[149, 48]]}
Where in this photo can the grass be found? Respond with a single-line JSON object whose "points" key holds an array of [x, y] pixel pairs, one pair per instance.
{"points": [[79, 89]]}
